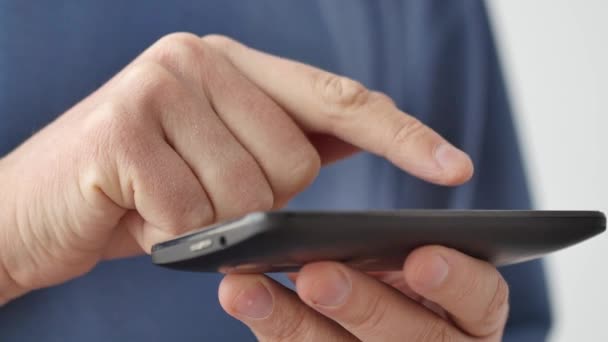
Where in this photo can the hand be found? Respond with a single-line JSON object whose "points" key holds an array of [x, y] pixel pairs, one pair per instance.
{"points": [[191, 132], [441, 295]]}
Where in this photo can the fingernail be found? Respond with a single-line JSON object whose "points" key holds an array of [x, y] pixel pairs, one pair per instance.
{"points": [[331, 289], [449, 157], [432, 273], [254, 302]]}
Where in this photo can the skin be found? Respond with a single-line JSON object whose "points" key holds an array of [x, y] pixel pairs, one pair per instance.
{"points": [[197, 130]]}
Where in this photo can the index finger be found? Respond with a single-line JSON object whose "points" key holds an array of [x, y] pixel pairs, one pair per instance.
{"points": [[322, 102]]}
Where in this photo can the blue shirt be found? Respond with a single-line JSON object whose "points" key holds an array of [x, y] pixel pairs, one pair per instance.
{"points": [[435, 58]]}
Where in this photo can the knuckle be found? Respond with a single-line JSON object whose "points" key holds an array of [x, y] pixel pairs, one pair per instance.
{"points": [[407, 133], [339, 94], [218, 40], [149, 85], [435, 330], [294, 328], [489, 319], [469, 289], [180, 52], [379, 98], [180, 39], [371, 317], [499, 302]]}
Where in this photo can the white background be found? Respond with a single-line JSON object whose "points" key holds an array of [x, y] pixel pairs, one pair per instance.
{"points": [[555, 54]]}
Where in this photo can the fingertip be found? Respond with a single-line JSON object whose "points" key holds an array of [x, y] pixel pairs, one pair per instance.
{"points": [[457, 167], [325, 284], [427, 268], [246, 296], [312, 271], [306, 277], [226, 292]]}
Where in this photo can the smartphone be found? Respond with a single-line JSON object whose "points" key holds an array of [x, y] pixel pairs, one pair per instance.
{"points": [[373, 240]]}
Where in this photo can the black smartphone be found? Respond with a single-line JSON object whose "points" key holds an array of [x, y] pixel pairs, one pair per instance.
{"points": [[373, 240]]}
